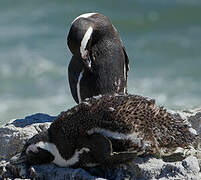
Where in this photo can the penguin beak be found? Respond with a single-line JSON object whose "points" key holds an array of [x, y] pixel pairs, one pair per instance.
{"points": [[87, 60], [18, 159]]}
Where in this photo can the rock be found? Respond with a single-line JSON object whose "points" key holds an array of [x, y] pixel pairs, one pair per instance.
{"points": [[47, 172], [192, 116], [153, 168], [14, 134], [142, 168], [149, 167]]}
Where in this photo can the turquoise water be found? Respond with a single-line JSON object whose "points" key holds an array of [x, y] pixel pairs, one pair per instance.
{"points": [[162, 38]]}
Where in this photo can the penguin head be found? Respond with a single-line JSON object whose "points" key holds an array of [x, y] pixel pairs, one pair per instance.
{"points": [[41, 150], [85, 31], [38, 154], [35, 151]]}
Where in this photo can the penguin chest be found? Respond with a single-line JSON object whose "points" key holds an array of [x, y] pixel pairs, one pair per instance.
{"points": [[87, 86], [101, 81]]}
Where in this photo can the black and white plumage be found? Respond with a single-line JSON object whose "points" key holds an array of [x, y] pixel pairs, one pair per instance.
{"points": [[99, 63], [108, 130]]}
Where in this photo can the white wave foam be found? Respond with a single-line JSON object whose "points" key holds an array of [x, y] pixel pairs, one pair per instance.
{"points": [[23, 62]]}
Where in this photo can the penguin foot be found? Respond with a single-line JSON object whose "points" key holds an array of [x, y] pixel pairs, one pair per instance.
{"points": [[120, 158]]}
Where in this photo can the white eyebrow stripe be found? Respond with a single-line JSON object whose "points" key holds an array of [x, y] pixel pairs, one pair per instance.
{"points": [[86, 15], [85, 40]]}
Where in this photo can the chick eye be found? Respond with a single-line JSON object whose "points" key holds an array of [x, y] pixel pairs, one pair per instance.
{"points": [[32, 148]]}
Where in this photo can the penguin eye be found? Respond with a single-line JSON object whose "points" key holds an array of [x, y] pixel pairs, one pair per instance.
{"points": [[32, 148]]}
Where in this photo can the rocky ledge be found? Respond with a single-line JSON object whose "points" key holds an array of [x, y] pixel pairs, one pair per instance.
{"points": [[14, 134]]}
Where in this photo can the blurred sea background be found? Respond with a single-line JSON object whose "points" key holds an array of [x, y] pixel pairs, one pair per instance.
{"points": [[162, 38]]}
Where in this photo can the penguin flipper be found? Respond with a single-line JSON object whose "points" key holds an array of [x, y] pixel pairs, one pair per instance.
{"points": [[74, 70], [102, 153], [126, 66], [126, 60], [99, 145]]}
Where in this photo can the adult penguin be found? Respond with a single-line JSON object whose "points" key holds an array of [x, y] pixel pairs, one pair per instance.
{"points": [[99, 63]]}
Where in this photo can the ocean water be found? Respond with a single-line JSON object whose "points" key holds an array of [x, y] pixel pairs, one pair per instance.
{"points": [[162, 38]]}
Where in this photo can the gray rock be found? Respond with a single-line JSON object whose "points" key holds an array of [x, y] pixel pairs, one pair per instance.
{"points": [[14, 134], [45, 172], [157, 169], [142, 168], [192, 116]]}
